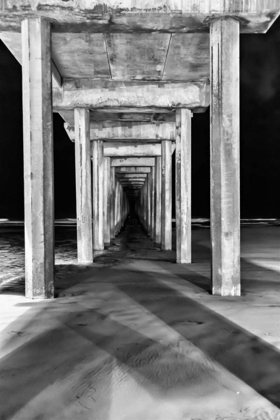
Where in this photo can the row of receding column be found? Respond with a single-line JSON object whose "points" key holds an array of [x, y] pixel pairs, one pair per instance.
{"points": [[38, 164], [154, 203], [107, 206]]}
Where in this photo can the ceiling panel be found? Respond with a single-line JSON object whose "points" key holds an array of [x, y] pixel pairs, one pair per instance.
{"points": [[137, 56], [79, 55], [188, 58]]}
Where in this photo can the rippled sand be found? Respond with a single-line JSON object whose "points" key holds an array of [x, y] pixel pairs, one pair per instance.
{"points": [[134, 336]]}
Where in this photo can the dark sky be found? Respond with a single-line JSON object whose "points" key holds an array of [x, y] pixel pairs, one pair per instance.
{"points": [[259, 138]]}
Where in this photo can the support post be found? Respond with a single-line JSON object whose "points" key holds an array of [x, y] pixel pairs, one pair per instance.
{"points": [[117, 208], [149, 204], [112, 202], [158, 201], [225, 189], [98, 195], [83, 186], [183, 186], [38, 158], [166, 195], [106, 200], [153, 203]]}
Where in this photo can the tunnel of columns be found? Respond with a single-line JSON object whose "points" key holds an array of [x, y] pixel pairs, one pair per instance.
{"points": [[127, 80]]}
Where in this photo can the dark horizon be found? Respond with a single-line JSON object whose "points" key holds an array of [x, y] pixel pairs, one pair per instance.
{"points": [[259, 144]]}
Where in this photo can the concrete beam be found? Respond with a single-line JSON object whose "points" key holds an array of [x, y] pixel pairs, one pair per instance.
{"points": [[133, 170], [133, 161], [131, 149], [131, 176], [139, 15], [98, 94], [127, 131]]}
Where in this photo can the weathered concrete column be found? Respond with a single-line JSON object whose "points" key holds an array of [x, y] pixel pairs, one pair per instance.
{"points": [[38, 159], [183, 185], [225, 190], [117, 208], [98, 195], [152, 181], [112, 202], [106, 214], [166, 195], [149, 207], [146, 202], [83, 186], [157, 238]]}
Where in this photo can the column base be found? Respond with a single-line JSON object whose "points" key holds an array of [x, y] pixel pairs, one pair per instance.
{"points": [[227, 291]]}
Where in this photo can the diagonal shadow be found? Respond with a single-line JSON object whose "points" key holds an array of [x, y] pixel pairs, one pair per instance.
{"points": [[69, 352], [251, 359]]}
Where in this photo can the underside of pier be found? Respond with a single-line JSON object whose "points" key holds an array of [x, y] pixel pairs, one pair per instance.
{"points": [[127, 78]]}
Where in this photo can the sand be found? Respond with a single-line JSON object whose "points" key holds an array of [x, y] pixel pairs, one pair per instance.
{"points": [[134, 336]]}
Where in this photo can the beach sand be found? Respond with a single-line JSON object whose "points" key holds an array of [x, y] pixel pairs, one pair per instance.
{"points": [[134, 336]]}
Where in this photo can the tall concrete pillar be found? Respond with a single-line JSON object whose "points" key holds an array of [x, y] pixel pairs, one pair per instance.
{"points": [[225, 190], [106, 214], [157, 238], [183, 185], [149, 204], [112, 202], [97, 195], [117, 200], [38, 159], [83, 186], [166, 195], [152, 180]]}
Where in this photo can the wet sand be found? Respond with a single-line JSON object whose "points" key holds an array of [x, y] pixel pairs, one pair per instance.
{"points": [[135, 336]]}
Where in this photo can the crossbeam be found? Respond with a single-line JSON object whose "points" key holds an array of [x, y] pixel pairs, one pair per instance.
{"points": [[127, 131], [139, 15], [99, 94], [120, 149], [133, 161], [133, 170]]}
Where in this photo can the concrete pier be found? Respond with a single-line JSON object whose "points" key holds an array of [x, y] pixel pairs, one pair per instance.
{"points": [[98, 195], [166, 195], [225, 160], [83, 186], [183, 186], [38, 158]]}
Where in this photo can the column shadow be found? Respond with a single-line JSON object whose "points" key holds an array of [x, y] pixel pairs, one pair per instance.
{"points": [[247, 356]]}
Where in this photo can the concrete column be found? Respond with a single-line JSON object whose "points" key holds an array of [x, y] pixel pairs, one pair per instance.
{"points": [[112, 202], [152, 180], [98, 195], [157, 238], [146, 213], [83, 186], [149, 206], [38, 159], [166, 195], [225, 190], [106, 215], [183, 186], [117, 208]]}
